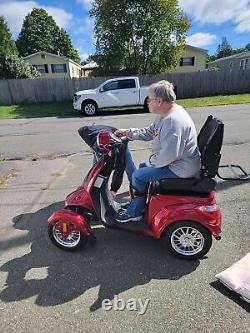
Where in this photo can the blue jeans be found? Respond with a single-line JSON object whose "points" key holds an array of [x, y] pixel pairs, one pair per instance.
{"points": [[140, 180]]}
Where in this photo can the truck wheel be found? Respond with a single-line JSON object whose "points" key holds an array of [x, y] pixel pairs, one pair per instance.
{"points": [[188, 239], [145, 106], [89, 108]]}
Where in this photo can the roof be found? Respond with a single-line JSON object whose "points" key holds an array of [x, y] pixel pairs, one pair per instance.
{"points": [[90, 65], [237, 55], [53, 55], [196, 48]]}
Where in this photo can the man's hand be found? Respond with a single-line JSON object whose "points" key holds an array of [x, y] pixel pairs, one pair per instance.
{"points": [[122, 132]]}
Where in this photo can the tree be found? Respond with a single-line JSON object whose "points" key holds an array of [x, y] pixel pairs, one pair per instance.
{"points": [[64, 46], [247, 47], [15, 67], [139, 36], [224, 49], [7, 45], [211, 58], [41, 33], [11, 65]]}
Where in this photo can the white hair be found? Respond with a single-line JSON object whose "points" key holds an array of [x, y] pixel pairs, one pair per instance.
{"points": [[163, 90]]}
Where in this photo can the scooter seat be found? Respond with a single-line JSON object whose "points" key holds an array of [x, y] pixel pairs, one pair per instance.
{"points": [[183, 186]]}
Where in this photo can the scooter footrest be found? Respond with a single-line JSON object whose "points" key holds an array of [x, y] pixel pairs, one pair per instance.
{"points": [[111, 222], [135, 226]]}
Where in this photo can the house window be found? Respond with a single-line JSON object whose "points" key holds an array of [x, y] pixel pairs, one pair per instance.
{"points": [[43, 56], [42, 68], [247, 64], [242, 62], [231, 64], [187, 61], [59, 68]]}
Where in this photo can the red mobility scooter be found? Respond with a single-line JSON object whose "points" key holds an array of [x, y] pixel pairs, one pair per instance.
{"points": [[183, 211]]}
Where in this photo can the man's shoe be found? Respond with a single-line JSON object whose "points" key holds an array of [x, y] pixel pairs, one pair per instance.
{"points": [[122, 216]]}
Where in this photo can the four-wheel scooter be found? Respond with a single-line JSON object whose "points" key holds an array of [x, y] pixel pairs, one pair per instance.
{"points": [[182, 211]]}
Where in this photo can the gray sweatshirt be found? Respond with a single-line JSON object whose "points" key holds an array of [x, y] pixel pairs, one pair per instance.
{"points": [[174, 142]]}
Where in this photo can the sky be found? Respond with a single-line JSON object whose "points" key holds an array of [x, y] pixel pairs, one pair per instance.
{"points": [[210, 21]]}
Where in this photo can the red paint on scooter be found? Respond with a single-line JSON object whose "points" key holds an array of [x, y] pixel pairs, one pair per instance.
{"points": [[67, 216], [164, 210]]}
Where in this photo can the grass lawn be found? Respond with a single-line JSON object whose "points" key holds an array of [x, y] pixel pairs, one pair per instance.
{"points": [[37, 110], [66, 109], [215, 100]]}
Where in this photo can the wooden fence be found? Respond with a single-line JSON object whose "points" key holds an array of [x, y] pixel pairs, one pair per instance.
{"points": [[188, 85]]}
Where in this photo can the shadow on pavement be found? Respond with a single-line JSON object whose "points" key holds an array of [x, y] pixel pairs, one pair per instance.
{"points": [[226, 184], [117, 262], [230, 294]]}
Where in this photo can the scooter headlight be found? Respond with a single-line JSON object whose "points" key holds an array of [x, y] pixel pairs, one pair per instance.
{"points": [[103, 140], [106, 139]]}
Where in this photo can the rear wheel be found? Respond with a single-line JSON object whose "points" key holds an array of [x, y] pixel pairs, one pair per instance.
{"points": [[188, 240], [89, 108], [66, 236]]}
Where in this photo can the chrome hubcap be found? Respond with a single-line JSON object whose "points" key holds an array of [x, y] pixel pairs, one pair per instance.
{"points": [[72, 239], [187, 241], [89, 109]]}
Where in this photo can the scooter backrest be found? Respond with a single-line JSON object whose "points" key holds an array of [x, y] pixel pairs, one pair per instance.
{"points": [[210, 140]]}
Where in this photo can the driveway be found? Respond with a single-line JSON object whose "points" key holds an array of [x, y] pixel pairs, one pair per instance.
{"points": [[44, 289]]}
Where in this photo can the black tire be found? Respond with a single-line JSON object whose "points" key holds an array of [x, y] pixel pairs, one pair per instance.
{"points": [[197, 236], [54, 235], [145, 106], [89, 108]]}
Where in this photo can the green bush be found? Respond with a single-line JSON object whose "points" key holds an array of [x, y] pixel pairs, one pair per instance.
{"points": [[14, 67]]}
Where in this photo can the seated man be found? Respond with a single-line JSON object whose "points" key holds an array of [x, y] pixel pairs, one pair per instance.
{"points": [[174, 149]]}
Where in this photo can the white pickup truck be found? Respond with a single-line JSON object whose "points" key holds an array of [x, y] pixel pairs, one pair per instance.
{"points": [[114, 93]]}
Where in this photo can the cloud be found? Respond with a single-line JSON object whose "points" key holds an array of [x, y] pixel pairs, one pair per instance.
{"points": [[85, 3], [218, 12], [243, 22], [84, 26], [83, 55], [80, 46], [83, 31], [14, 13], [62, 18], [201, 39]]}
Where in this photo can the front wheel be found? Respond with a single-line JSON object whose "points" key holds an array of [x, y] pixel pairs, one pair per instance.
{"points": [[89, 108], [188, 240], [66, 236]]}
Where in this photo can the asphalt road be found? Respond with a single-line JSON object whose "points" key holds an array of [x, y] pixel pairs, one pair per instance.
{"points": [[43, 289]]}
